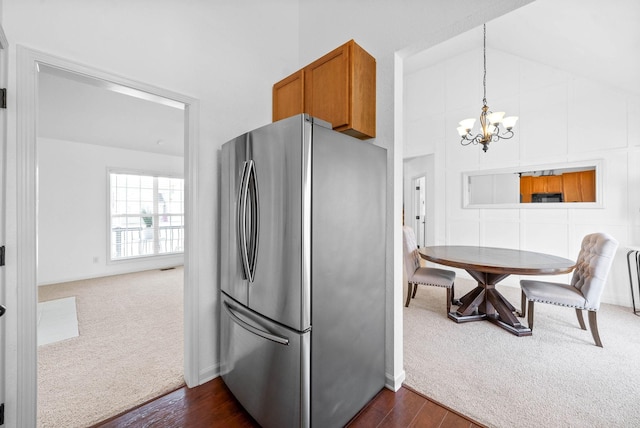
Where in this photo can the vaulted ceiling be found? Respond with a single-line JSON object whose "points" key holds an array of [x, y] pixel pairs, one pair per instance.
{"points": [[593, 38]]}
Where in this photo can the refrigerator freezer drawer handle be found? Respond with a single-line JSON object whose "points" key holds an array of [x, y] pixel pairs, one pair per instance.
{"points": [[254, 330]]}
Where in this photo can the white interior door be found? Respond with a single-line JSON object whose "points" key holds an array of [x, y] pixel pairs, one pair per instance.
{"points": [[420, 210]]}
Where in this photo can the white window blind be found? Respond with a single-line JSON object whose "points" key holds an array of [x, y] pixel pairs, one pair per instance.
{"points": [[147, 215]]}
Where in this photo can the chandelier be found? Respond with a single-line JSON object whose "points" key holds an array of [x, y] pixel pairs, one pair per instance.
{"points": [[490, 129]]}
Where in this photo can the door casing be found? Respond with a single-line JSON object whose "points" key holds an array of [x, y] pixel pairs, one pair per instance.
{"points": [[25, 361], [3, 206]]}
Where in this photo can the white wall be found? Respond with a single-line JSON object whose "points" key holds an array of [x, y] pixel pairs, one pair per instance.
{"points": [[564, 117], [73, 206]]}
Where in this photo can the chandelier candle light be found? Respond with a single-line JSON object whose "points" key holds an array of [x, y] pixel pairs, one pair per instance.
{"points": [[489, 121]]}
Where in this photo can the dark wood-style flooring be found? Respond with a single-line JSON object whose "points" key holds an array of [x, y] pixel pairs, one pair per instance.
{"points": [[213, 405]]}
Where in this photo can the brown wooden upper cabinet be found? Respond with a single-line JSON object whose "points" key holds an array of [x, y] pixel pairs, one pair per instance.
{"points": [[526, 185], [575, 186], [546, 184], [288, 96], [339, 87], [579, 186]]}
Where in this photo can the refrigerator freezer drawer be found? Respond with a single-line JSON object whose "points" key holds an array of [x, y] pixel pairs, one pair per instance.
{"points": [[266, 366]]}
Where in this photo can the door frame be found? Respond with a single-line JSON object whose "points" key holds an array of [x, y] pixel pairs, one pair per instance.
{"points": [[416, 228], [28, 61], [4, 46], [412, 168]]}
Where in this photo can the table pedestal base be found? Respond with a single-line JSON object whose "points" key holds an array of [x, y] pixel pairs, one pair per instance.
{"points": [[518, 330], [466, 318], [485, 303]]}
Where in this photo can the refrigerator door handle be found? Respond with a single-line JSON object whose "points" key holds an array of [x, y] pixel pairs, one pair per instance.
{"points": [[242, 220], [254, 213], [264, 334]]}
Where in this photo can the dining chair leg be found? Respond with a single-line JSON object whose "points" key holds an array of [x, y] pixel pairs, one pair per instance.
{"points": [[593, 325], [523, 304], [409, 291], [415, 288], [530, 319], [580, 319], [449, 298]]}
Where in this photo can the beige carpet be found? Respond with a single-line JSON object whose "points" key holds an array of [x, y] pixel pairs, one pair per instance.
{"points": [[130, 348], [555, 378]]}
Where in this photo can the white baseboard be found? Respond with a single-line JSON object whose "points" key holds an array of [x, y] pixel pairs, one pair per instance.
{"points": [[127, 267], [208, 373], [392, 383]]}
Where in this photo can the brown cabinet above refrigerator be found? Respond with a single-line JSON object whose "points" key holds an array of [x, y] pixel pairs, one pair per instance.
{"points": [[339, 87]]}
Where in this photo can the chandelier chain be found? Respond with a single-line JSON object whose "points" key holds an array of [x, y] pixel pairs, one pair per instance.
{"points": [[484, 57]]}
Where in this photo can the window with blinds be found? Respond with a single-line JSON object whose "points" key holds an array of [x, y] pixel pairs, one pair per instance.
{"points": [[146, 216]]}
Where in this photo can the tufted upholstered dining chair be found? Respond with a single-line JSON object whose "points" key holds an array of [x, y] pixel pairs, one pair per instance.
{"points": [[587, 282], [417, 274]]}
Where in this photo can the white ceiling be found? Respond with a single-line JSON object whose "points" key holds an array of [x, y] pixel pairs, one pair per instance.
{"points": [[591, 38], [81, 109]]}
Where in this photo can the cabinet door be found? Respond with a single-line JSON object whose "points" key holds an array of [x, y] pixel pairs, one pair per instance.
{"points": [[525, 188], [571, 187], [327, 88], [288, 96], [538, 185], [588, 185], [554, 184]]}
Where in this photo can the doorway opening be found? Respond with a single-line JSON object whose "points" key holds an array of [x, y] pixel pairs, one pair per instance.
{"points": [[418, 195], [110, 331], [419, 209], [29, 64]]}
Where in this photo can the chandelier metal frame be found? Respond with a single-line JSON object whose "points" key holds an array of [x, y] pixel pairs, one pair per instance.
{"points": [[489, 121]]}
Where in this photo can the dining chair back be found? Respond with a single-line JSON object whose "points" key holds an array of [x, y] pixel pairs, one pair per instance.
{"points": [[417, 274], [587, 283]]}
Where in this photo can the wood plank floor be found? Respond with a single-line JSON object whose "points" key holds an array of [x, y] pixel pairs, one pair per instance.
{"points": [[213, 405]]}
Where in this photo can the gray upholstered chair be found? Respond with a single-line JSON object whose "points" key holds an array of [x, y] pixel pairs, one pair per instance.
{"points": [[587, 282], [417, 274]]}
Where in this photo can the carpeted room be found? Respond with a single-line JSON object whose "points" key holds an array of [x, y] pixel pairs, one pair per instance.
{"points": [[556, 377], [129, 347]]}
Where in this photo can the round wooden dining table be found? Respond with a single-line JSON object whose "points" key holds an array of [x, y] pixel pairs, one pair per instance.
{"points": [[488, 266]]}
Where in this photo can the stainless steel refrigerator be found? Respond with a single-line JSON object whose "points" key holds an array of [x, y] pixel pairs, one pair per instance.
{"points": [[302, 319]]}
